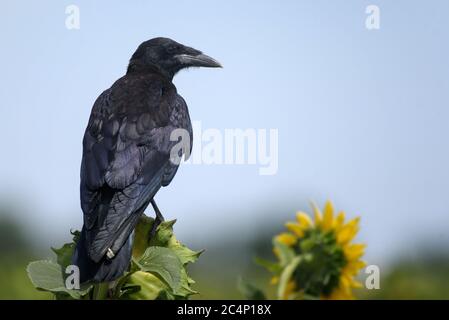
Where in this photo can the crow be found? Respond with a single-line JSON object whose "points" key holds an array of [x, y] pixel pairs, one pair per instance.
{"points": [[126, 154]]}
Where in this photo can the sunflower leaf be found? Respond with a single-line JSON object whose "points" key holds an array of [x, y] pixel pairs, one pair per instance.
{"points": [[48, 276], [249, 291], [142, 235], [185, 289], [269, 265], [150, 286], [164, 263], [286, 254], [184, 254], [65, 253], [163, 234]]}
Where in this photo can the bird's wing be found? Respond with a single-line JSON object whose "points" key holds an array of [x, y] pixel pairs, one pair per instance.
{"points": [[179, 118], [125, 159]]}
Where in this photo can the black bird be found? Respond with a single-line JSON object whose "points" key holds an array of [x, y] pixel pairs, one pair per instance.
{"points": [[126, 154]]}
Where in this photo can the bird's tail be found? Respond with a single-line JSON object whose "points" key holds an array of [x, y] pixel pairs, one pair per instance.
{"points": [[106, 269]]}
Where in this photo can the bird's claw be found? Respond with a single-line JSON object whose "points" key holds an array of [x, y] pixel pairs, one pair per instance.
{"points": [[154, 227]]}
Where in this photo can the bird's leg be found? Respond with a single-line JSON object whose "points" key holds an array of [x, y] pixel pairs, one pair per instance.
{"points": [[157, 221]]}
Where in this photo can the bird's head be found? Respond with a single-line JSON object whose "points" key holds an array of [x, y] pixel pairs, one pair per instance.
{"points": [[168, 57]]}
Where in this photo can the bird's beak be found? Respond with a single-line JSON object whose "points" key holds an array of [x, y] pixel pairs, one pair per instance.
{"points": [[199, 60]]}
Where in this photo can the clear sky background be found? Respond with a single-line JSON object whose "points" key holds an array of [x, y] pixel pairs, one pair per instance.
{"points": [[362, 115]]}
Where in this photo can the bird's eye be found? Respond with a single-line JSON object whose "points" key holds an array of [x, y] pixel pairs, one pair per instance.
{"points": [[174, 49]]}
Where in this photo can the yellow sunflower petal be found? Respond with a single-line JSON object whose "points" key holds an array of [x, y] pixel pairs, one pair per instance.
{"points": [[354, 251], [356, 284], [286, 238], [348, 231], [295, 228], [289, 289], [328, 217], [339, 294], [339, 221], [304, 220], [317, 215], [354, 267], [345, 281], [353, 223]]}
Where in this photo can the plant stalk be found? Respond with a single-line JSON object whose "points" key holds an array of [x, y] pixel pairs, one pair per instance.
{"points": [[100, 291]]}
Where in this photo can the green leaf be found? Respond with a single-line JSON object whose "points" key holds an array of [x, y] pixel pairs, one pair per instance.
{"points": [[76, 235], [184, 254], [129, 289], [164, 232], [250, 291], [286, 275], [100, 291], [185, 289], [65, 253], [157, 267], [286, 254], [165, 259], [150, 286], [165, 295], [142, 235], [164, 263], [47, 276], [269, 265]]}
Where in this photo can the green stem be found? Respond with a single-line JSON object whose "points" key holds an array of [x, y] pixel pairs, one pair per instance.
{"points": [[286, 275], [101, 291]]}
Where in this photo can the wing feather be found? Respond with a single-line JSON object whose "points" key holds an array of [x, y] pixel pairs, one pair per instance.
{"points": [[126, 151]]}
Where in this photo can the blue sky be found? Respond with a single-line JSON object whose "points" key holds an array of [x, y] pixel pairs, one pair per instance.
{"points": [[362, 115]]}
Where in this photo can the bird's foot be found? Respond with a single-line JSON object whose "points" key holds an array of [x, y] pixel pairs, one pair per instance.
{"points": [[154, 227], [157, 221]]}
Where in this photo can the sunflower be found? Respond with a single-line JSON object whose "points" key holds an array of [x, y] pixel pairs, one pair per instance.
{"points": [[317, 259]]}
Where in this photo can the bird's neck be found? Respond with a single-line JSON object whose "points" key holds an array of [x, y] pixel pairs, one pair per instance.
{"points": [[136, 66]]}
